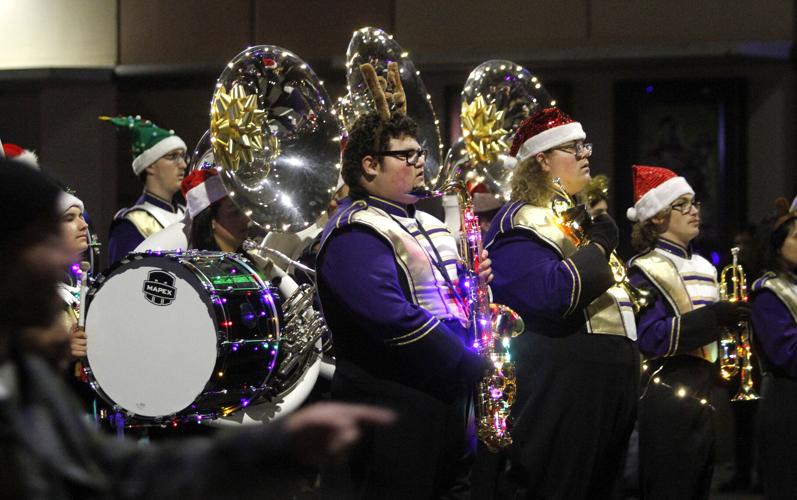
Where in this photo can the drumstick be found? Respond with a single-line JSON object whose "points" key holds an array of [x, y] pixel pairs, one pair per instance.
{"points": [[84, 288]]}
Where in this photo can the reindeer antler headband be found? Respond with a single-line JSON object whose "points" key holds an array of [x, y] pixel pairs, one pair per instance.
{"points": [[387, 93]]}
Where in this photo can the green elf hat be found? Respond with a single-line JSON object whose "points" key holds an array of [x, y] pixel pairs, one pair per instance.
{"points": [[150, 142]]}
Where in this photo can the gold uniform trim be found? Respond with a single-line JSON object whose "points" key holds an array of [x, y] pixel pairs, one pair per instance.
{"points": [[662, 272], [542, 222], [146, 224], [427, 288], [785, 291], [604, 314]]}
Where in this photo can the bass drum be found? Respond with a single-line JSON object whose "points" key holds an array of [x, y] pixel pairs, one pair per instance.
{"points": [[181, 335], [299, 362]]}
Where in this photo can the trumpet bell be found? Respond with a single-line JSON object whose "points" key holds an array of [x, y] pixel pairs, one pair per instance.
{"points": [[275, 137]]}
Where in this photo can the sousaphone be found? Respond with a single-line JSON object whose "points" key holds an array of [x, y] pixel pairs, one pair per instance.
{"points": [[276, 141]]}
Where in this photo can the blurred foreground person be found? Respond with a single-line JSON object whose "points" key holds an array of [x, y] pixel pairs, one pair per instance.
{"points": [[48, 451]]}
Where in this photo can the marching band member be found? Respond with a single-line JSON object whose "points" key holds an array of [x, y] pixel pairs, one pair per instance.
{"points": [[386, 274], [577, 364], [774, 321], [678, 335], [159, 161], [212, 220], [49, 451], [18, 153]]}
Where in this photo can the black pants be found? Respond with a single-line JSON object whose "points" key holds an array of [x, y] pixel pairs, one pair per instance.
{"points": [[676, 434], [575, 410], [426, 454], [777, 437]]}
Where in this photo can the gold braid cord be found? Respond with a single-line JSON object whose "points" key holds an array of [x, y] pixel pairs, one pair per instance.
{"points": [[386, 93]]}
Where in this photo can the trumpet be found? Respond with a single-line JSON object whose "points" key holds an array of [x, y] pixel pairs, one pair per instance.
{"points": [[735, 348], [572, 221]]}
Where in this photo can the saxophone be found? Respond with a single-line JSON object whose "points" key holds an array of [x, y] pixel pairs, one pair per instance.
{"points": [[491, 328]]}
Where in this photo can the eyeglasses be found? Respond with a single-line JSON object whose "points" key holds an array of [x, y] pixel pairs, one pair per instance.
{"points": [[175, 157], [685, 206], [581, 151], [410, 156]]}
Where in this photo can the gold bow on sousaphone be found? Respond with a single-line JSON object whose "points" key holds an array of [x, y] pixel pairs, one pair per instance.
{"points": [[275, 141], [498, 95]]}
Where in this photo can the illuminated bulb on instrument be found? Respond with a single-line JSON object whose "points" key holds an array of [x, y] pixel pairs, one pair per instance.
{"points": [[537, 86], [657, 380], [229, 65], [681, 392], [321, 82], [502, 67], [534, 79], [553, 103], [220, 374], [405, 54], [644, 368], [418, 73], [248, 213]]}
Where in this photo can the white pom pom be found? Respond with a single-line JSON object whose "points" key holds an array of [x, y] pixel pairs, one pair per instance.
{"points": [[631, 214], [507, 161]]}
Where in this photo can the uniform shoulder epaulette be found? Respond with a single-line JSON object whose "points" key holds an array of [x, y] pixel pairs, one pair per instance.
{"points": [[146, 224], [540, 221], [344, 216], [759, 284]]}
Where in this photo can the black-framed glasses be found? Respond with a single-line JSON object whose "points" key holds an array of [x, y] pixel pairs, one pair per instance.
{"points": [[409, 156], [685, 206], [175, 156], [580, 151]]}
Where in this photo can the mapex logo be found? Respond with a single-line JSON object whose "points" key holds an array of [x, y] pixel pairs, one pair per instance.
{"points": [[159, 288]]}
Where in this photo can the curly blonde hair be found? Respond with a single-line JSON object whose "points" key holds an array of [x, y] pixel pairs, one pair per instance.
{"points": [[531, 183]]}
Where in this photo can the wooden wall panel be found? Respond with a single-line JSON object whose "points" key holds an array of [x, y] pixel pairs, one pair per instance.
{"points": [[183, 31], [318, 30], [489, 29], [651, 22]]}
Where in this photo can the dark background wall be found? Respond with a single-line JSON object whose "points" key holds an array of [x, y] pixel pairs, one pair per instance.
{"points": [[160, 60]]}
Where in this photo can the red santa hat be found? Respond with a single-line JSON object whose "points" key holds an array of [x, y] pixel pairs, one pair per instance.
{"points": [[544, 130], [202, 188], [654, 189], [14, 152]]}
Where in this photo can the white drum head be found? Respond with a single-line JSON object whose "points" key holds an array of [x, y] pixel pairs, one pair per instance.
{"points": [[152, 354]]}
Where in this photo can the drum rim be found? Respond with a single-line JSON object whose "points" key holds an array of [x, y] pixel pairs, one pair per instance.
{"points": [[201, 282]]}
